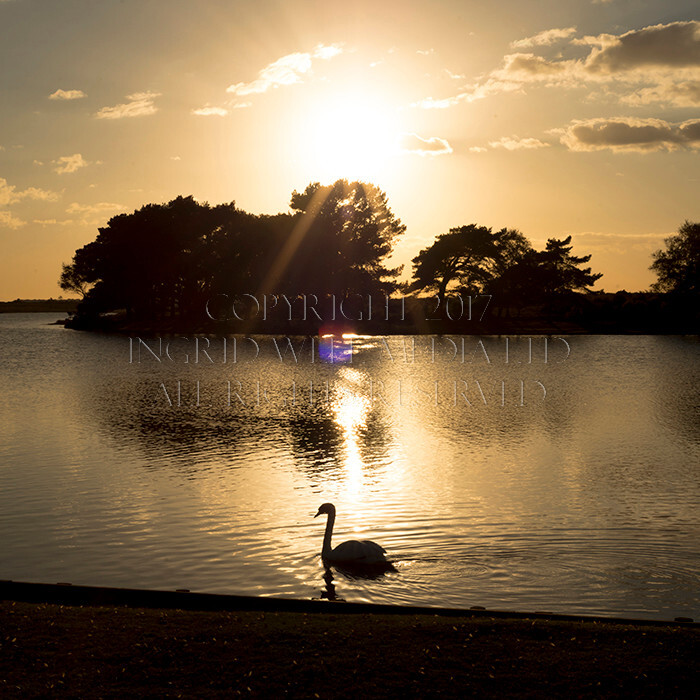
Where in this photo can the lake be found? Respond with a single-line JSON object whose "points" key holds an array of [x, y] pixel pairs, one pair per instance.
{"points": [[558, 474]]}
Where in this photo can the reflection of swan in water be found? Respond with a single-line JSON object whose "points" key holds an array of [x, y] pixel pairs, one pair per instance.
{"points": [[353, 553], [329, 593]]}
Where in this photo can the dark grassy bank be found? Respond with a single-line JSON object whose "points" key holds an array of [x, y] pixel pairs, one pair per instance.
{"points": [[91, 651], [594, 313]]}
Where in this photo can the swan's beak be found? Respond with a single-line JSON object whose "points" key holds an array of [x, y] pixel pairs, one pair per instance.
{"points": [[317, 514]]}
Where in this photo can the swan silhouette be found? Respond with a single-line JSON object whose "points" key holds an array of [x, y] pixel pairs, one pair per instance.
{"points": [[353, 553]]}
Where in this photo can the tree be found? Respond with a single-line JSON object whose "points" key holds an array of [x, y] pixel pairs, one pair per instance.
{"points": [[511, 249], [239, 249], [72, 280], [342, 235], [511, 274], [558, 271], [462, 255], [678, 267], [167, 260], [147, 262]]}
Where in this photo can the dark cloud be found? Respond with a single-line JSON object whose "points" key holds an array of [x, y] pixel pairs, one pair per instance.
{"points": [[690, 131], [672, 45], [629, 134]]}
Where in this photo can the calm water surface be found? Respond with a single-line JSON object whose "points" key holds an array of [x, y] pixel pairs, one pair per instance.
{"points": [[561, 478]]}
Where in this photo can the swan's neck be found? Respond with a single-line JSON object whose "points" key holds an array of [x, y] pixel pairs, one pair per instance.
{"points": [[327, 536]]}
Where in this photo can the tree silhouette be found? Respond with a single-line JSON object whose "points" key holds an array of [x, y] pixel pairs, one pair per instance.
{"points": [[504, 264], [167, 260], [239, 249], [558, 271], [678, 267], [71, 280], [512, 276], [464, 255], [146, 262], [341, 237], [511, 248]]}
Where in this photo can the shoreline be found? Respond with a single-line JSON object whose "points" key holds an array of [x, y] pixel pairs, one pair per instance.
{"points": [[102, 650], [498, 328], [513, 327], [148, 330], [184, 599]]}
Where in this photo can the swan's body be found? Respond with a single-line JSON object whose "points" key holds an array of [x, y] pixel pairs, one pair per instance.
{"points": [[352, 552]]}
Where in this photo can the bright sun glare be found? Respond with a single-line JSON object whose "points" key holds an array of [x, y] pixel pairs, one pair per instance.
{"points": [[350, 134]]}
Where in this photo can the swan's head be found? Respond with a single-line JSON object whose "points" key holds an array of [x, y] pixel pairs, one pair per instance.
{"points": [[328, 508]]}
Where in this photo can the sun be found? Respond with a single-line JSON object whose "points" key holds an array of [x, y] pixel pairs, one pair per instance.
{"points": [[350, 134]]}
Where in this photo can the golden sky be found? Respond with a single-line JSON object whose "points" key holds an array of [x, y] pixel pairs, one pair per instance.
{"points": [[554, 117]]}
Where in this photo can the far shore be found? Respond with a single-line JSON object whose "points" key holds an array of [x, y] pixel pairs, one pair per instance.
{"points": [[264, 650], [24, 306]]}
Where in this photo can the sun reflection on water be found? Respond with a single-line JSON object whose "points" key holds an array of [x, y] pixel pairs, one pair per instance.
{"points": [[350, 410]]}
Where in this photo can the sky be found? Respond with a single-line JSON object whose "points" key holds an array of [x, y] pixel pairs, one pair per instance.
{"points": [[556, 117]]}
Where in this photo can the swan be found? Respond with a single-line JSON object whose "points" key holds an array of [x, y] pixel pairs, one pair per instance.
{"points": [[352, 552]]}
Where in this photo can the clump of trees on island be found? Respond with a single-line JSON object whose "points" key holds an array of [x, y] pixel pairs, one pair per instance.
{"points": [[162, 264]]}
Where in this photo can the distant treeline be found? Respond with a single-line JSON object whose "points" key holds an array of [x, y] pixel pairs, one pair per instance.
{"points": [[188, 265], [39, 306]]}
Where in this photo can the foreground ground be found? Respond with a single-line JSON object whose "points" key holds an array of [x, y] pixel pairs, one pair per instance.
{"points": [[89, 652]]}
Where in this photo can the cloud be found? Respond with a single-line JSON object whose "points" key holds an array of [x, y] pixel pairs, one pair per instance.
{"points": [[679, 94], [471, 93], [94, 214], [210, 111], [139, 104], [67, 95], [545, 38], [10, 195], [674, 45], [620, 243], [9, 220], [599, 234], [624, 134], [432, 103], [97, 208], [69, 164], [38, 194], [287, 70], [432, 146], [528, 66], [517, 71], [513, 143], [327, 52], [54, 222], [660, 63]]}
